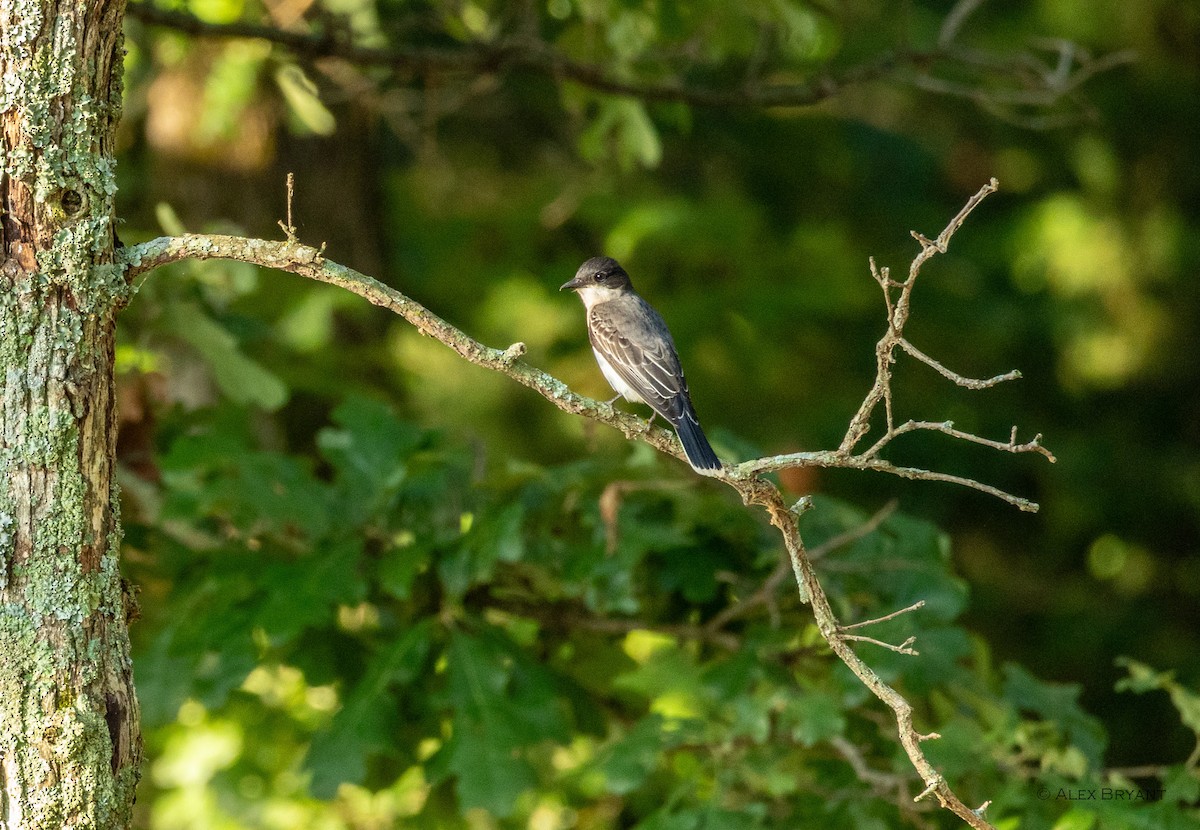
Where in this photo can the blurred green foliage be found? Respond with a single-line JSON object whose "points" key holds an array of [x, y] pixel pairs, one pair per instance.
{"points": [[426, 612]]}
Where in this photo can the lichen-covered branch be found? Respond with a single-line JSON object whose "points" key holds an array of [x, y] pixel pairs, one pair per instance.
{"points": [[746, 478]]}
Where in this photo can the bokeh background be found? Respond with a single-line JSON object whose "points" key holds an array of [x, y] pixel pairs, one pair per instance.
{"points": [[346, 538]]}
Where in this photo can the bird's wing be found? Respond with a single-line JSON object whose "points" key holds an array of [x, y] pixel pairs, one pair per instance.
{"points": [[634, 340]]}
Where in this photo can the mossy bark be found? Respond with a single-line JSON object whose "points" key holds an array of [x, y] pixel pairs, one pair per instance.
{"points": [[70, 743]]}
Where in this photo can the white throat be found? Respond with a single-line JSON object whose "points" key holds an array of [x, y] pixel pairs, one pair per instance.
{"points": [[593, 294]]}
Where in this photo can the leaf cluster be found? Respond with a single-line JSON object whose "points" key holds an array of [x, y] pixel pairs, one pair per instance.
{"points": [[385, 629]]}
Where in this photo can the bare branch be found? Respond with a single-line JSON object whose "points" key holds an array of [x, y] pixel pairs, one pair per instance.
{"points": [[947, 428], [522, 51], [840, 460]]}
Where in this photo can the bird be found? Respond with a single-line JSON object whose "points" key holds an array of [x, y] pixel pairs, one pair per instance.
{"points": [[636, 354]]}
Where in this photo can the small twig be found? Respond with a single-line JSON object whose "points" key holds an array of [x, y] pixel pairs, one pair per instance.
{"points": [[953, 377], [903, 648], [955, 19], [918, 604], [855, 533], [289, 229], [918, 474], [765, 594], [932, 786], [947, 428], [881, 782]]}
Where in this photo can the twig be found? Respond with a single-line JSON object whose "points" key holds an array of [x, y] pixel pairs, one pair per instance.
{"points": [[289, 229], [953, 377], [955, 19], [835, 459], [864, 623], [947, 428], [903, 648], [881, 782]]}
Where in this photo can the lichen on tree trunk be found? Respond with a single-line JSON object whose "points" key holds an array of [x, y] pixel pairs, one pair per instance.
{"points": [[70, 742]]}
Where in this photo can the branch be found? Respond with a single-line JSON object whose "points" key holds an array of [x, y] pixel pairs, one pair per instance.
{"points": [[310, 262], [522, 53], [898, 302], [1043, 88], [837, 459]]}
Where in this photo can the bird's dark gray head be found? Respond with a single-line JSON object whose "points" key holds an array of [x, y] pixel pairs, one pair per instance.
{"points": [[600, 272]]}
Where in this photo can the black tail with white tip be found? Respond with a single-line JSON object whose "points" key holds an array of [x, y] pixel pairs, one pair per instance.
{"points": [[695, 445]]}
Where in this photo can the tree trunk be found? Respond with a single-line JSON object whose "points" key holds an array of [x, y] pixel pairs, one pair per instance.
{"points": [[70, 742]]}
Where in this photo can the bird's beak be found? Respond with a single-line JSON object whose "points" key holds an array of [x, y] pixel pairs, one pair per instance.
{"points": [[571, 284]]}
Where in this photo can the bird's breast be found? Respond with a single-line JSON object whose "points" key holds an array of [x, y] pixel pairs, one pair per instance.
{"points": [[615, 381]]}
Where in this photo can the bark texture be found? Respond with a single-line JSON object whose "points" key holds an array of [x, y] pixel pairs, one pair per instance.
{"points": [[70, 743]]}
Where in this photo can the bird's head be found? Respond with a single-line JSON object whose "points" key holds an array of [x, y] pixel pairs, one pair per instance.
{"points": [[600, 278]]}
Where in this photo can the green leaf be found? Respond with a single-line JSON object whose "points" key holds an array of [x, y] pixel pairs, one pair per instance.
{"points": [[370, 449], [815, 716], [627, 762], [1181, 785], [1076, 819], [1143, 678], [303, 99], [306, 591], [338, 753], [624, 129], [401, 564], [490, 727], [490, 776], [495, 537], [1057, 703], [239, 377]]}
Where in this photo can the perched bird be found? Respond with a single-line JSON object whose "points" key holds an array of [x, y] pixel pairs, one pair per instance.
{"points": [[637, 355]]}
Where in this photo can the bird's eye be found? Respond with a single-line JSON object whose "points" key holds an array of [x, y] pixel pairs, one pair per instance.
{"points": [[601, 277]]}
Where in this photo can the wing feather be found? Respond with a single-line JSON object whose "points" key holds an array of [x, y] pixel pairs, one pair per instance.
{"points": [[635, 341]]}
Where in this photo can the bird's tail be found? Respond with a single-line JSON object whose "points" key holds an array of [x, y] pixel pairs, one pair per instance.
{"points": [[699, 452]]}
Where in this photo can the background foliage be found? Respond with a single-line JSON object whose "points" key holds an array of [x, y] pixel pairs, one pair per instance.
{"points": [[380, 586]]}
